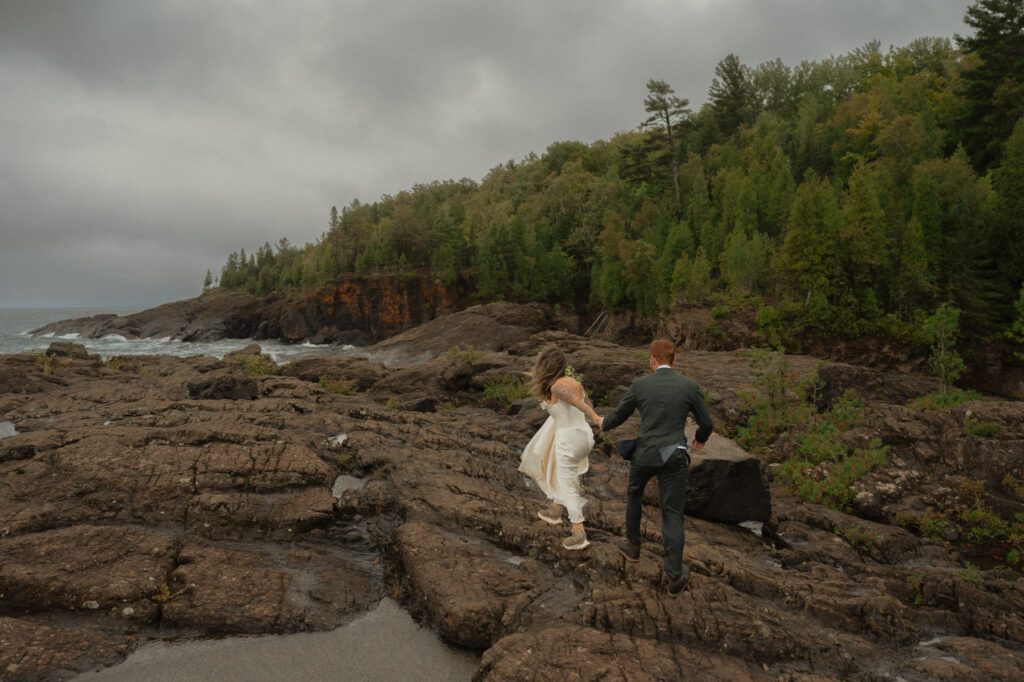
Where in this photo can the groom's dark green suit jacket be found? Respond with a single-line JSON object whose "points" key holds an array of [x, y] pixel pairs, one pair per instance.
{"points": [[664, 399]]}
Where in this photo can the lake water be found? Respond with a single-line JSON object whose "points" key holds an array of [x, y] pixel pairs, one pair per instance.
{"points": [[385, 644], [15, 325]]}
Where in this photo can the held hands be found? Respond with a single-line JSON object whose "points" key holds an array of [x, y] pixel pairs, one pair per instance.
{"points": [[696, 446]]}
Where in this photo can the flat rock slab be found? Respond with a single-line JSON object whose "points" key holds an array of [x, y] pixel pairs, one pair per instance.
{"points": [[610, 656], [256, 589], [106, 569], [727, 484], [31, 651]]}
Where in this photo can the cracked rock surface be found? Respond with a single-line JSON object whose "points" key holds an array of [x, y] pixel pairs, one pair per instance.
{"points": [[133, 507]]}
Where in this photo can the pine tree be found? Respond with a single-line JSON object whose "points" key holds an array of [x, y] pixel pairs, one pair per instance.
{"points": [[1008, 237], [941, 330], [667, 112], [862, 247], [731, 95], [994, 88], [808, 251]]}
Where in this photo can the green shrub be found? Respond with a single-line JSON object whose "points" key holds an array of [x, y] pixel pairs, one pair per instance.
{"points": [[258, 365], [803, 437], [939, 401], [339, 386], [932, 525], [44, 360], [1014, 485], [467, 353], [770, 325], [505, 388], [970, 573], [860, 540], [834, 489], [973, 427]]}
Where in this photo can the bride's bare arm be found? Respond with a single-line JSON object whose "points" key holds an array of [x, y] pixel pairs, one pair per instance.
{"points": [[572, 393]]}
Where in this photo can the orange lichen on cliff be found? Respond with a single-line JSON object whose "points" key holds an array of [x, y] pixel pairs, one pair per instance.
{"points": [[382, 303]]}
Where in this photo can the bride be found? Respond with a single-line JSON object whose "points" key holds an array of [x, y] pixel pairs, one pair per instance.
{"points": [[556, 456]]}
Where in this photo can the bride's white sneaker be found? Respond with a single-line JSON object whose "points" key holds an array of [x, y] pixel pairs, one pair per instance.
{"points": [[576, 540], [552, 517]]}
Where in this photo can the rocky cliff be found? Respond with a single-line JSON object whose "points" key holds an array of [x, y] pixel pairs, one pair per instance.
{"points": [[355, 311], [149, 497]]}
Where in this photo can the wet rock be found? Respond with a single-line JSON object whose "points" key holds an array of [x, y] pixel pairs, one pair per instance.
{"points": [[86, 567], [422, 404], [964, 658], [358, 369], [464, 585], [235, 498], [580, 652], [243, 590], [34, 651], [490, 327], [251, 349], [456, 373], [23, 374], [227, 384], [333, 335], [67, 349]]}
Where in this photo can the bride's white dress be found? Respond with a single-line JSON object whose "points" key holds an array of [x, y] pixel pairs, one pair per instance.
{"points": [[557, 456]]}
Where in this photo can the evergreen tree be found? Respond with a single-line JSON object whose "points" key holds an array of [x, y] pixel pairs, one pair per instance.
{"points": [[731, 95], [994, 88], [667, 111], [1008, 239], [862, 247], [912, 286], [744, 262], [808, 251], [941, 330]]}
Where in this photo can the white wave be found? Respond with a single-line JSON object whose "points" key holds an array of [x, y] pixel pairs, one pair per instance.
{"points": [[69, 337]]}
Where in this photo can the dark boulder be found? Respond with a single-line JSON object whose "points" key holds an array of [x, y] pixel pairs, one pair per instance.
{"points": [[226, 384], [66, 349], [727, 484]]}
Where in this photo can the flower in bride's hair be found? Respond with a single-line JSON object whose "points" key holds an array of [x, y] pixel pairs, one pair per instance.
{"points": [[571, 372]]}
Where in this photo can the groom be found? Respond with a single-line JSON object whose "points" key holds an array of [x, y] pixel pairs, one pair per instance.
{"points": [[664, 398]]}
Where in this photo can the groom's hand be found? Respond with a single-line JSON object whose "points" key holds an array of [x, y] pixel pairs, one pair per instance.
{"points": [[697, 445]]}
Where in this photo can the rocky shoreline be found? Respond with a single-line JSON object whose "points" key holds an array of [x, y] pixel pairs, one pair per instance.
{"points": [[149, 497]]}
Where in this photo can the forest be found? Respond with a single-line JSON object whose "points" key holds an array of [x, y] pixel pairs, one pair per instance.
{"points": [[855, 195]]}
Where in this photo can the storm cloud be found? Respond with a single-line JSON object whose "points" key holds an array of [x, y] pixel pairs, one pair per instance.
{"points": [[141, 142]]}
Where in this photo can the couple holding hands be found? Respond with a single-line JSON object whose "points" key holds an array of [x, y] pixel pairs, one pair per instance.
{"points": [[557, 455]]}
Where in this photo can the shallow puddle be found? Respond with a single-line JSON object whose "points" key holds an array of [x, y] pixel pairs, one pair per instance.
{"points": [[385, 644], [345, 482], [755, 527]]}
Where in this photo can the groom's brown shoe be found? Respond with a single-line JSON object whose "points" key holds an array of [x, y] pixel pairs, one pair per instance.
{"points": [[676, 585], [628, 549]]}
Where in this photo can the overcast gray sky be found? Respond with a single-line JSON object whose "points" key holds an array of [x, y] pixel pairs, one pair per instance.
{"points": [[143, 141]]}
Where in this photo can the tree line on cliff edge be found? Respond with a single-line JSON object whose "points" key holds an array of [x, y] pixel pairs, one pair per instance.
{"points": [[855, 194]]}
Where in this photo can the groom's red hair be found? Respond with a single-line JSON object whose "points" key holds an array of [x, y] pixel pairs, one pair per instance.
{"points": [[663, 351]]}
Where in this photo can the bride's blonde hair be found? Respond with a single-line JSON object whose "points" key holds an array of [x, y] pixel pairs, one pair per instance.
{"points": [[548, 368]]}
